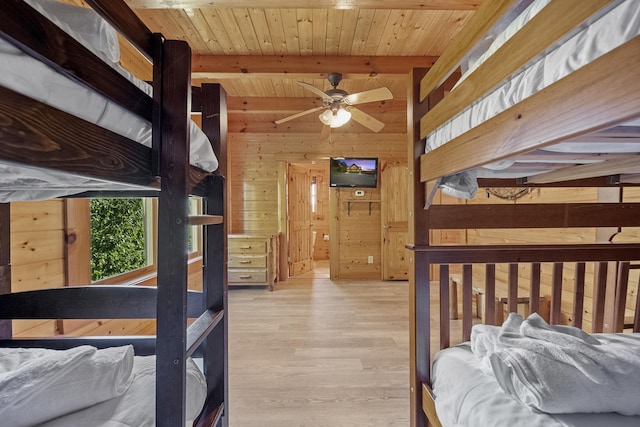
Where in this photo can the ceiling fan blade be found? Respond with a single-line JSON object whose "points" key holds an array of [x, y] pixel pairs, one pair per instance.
{"points": [[315, 90], [366, 120], [379, 94], [300, 114]]}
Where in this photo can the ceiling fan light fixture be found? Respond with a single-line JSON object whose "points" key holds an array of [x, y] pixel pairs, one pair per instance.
{"points": [[335, 118]]}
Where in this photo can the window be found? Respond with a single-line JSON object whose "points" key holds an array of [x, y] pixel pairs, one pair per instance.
{"points": [[314, 195], [121, 236]]}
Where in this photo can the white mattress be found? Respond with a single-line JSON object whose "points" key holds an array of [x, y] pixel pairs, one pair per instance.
{"points": [[465, 396], [24, 74], [619, 24], [136, 407]]}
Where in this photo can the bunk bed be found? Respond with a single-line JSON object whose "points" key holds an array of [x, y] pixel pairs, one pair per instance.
{"points": [[483, 117], [125, 139]]}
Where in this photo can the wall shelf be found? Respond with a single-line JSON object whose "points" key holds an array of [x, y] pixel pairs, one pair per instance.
{"points": [[360, 201]]}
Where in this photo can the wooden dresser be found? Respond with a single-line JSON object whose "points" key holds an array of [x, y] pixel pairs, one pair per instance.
{"points": [[252, 260]]}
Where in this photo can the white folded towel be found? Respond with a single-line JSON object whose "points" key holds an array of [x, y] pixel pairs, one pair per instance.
{"points": [[485, 339], [561, 369]]}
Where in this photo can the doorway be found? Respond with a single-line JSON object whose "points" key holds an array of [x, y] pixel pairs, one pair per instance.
{"points": [[307, 214]]}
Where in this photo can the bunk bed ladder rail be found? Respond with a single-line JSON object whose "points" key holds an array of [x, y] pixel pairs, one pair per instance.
{"points": [[175, 343], [215, 344]]}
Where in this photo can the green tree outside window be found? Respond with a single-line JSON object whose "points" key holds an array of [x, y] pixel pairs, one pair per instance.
{"points": [[117, 236]]}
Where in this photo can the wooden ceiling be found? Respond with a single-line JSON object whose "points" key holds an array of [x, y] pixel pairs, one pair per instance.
{"points": [[258, 49]]}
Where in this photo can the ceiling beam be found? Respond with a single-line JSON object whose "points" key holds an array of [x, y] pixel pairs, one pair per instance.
{"points": [[314, 66], [307, 4]]}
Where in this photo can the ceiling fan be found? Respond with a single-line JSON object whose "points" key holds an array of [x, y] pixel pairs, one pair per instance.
{"points": [[339, 105]]}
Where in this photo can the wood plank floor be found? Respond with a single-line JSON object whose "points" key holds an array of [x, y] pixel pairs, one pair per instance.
{"points": [[319, 353]]}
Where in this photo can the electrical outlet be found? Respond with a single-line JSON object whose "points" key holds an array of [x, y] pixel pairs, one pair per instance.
{"points": [[370, 259], [358, 193]]}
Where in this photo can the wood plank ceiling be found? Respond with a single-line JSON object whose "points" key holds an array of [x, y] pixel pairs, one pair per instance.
{"points": [[259, 49]]}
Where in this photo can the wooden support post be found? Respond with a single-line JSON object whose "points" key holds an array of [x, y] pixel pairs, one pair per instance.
{"points": [[419, 276], [173, 212], [215, 256], [5, 262]]}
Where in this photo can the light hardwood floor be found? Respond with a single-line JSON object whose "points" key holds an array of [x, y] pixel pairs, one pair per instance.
{"points": [[319, 353]]}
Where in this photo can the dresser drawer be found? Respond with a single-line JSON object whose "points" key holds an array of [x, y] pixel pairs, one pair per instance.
{"points": [[247, 261], [247, 276], [247, 246]]}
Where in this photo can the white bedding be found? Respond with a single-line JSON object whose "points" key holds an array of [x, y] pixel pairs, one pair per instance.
{"points": [[85, 387], [136, 407], [24, 74], [466, 396], [618, 24]]}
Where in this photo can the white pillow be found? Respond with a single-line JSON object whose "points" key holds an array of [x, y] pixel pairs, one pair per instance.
{"points": [[37, 385], [83, 24]]}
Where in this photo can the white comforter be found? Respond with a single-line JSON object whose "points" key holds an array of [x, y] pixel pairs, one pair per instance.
{"points": [[86, 387]]}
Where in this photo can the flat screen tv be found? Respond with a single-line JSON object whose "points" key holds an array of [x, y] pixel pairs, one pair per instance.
{"points": [[355, 172]]}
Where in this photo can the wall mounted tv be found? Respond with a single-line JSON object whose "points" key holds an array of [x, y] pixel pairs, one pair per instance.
{"points": [[353, 172]]}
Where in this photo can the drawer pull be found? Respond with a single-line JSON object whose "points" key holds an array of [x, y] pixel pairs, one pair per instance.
{"points": [[245, 262], [245, 247], [245, 277]]}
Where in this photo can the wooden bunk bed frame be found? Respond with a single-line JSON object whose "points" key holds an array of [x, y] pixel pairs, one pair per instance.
{"points": [[37, 135], [593, 99]]}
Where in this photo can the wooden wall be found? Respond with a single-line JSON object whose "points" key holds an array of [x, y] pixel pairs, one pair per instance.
{"points": [[254, 162], [38, 261], [356, 225], [37, 255]]}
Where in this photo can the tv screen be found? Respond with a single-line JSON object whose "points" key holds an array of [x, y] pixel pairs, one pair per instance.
{"points": [[353, 172]]}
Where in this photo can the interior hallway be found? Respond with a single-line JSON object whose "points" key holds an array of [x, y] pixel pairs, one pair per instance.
{"points": [[319, 353]]}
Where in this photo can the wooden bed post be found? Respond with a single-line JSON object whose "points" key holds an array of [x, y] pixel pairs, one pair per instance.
{"points": [[214, 124], [5, 262], [419, 268], [173, 215], [419, 231]]}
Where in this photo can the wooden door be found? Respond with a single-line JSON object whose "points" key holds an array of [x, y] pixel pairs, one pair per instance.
{"points": [[299, 213], [395, 223]]}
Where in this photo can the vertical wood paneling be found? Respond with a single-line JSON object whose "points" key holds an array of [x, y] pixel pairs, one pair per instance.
{"points": [[37, 255], [77, 242], [254, 160], [355, 226]]}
